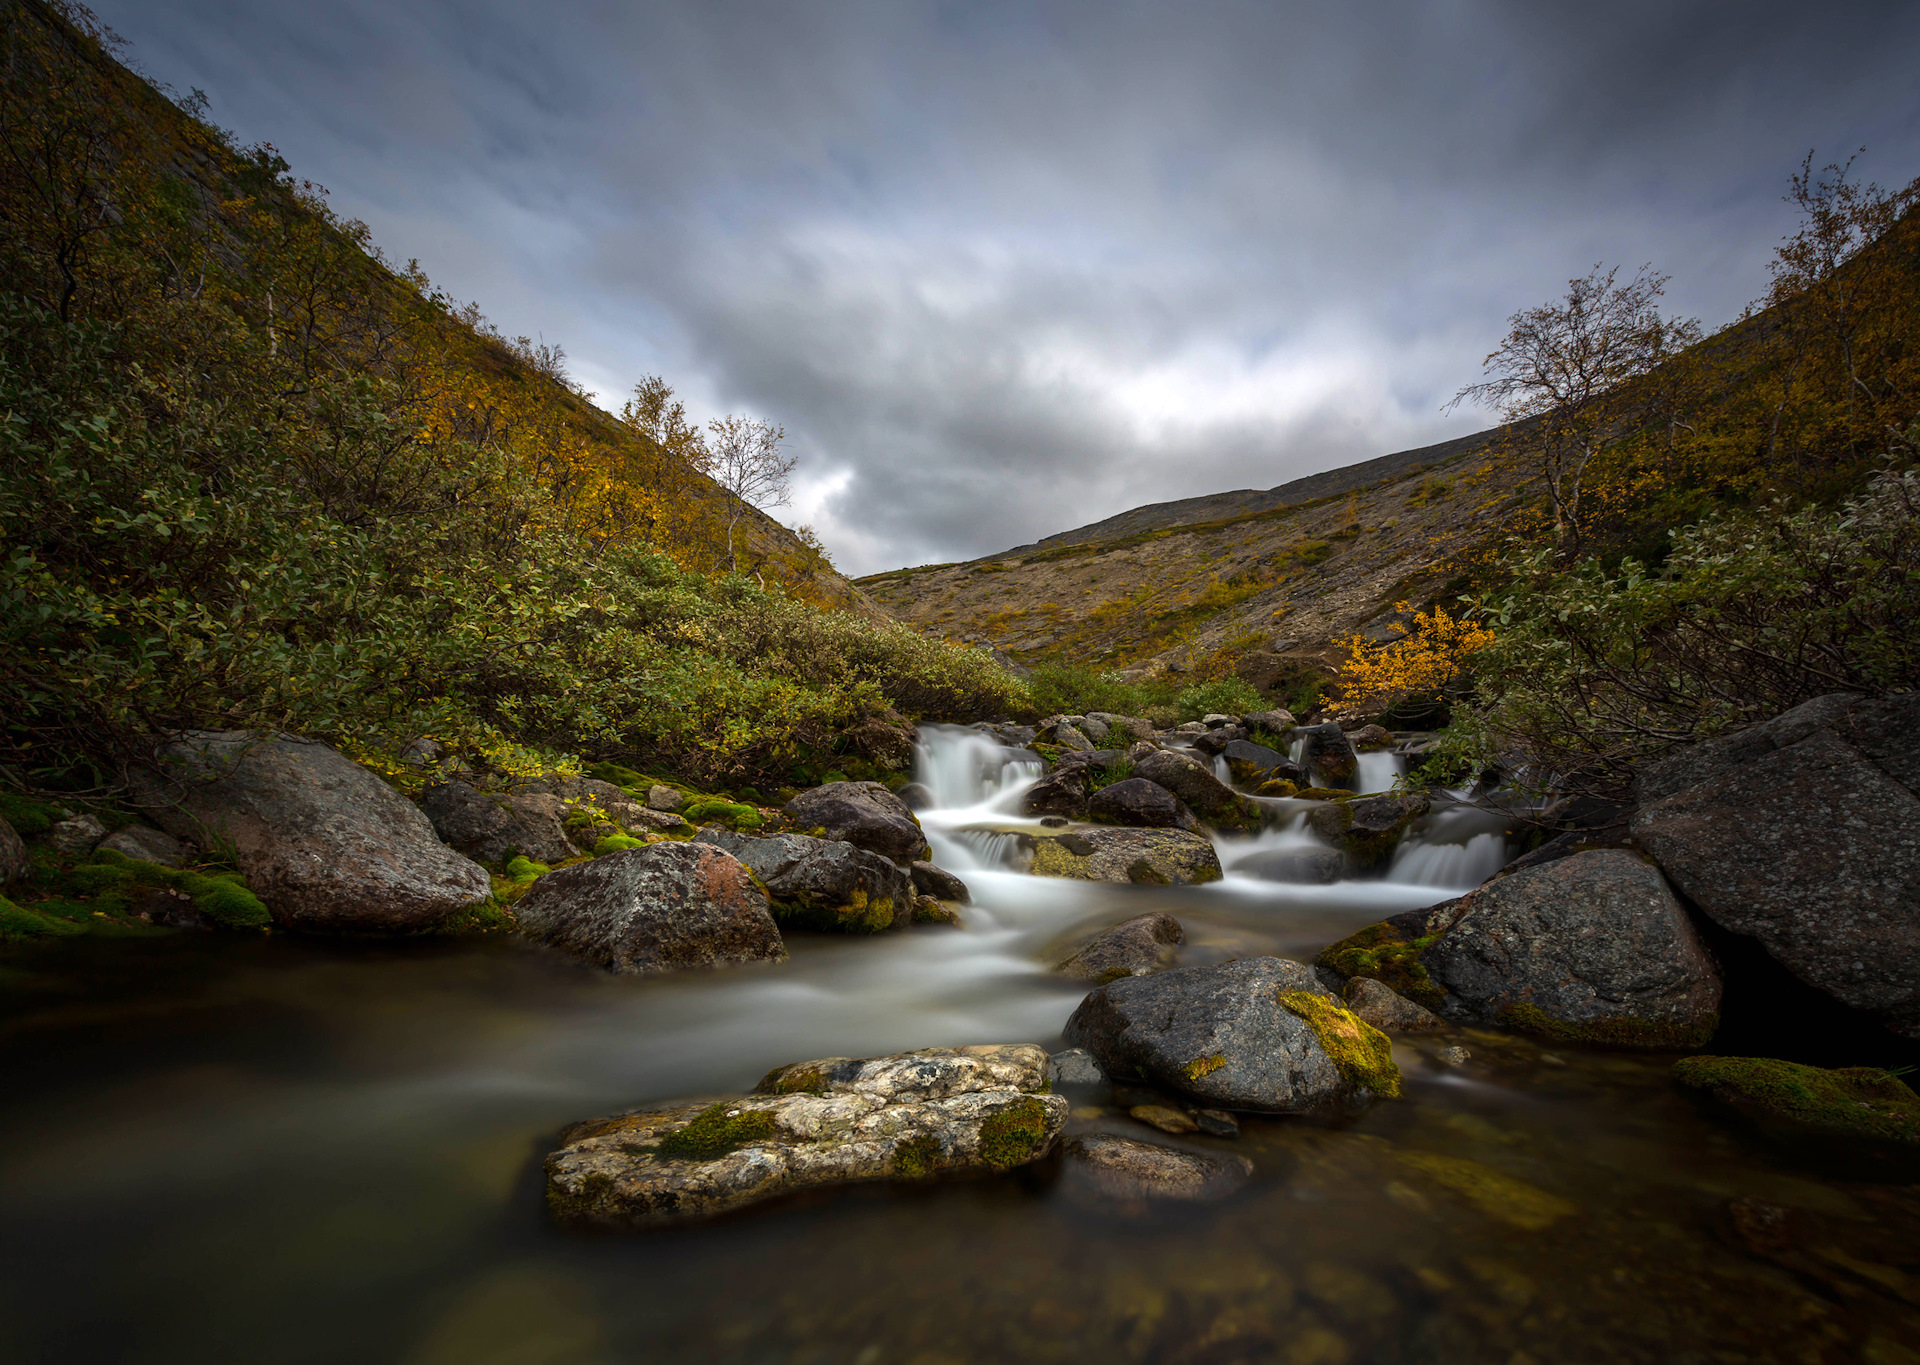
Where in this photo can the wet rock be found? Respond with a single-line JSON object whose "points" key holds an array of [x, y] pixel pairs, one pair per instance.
{"points": [[1138, 947], [822, 884], [1250, 762], [1217, 1123], [1063, 792], [654, 909], [1863, 1101], [322, 841], [1591, 948], [1454, 1055], [1380, 1005], [1235, 1036], [917, 795], [76, 837], [1814, 851], [864, 814], [1371, 739], [1075, 1066], [1214, 742], [1141, 804], [661, 797], [1152, 857], [1368, 828], [1055, 821], [1164, 1117], [1190, 780], [1328, 755], [144, 844], [1103, 1165], [912, 1116], [932, 910], [942, 885], [492, 829], [1390, 951], [1298, 866], [13, 854]]}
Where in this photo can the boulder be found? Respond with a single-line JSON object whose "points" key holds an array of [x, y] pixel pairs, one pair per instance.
{"points": [[1813, 850], [1214, 720], [1380, 1005], [913, 1116], [1592, 948], [1275, 723], [1249, 762], [942, 885], [1304, 866], [1131, 727], [1861, 1101], [1189, 779], [76, 836], [145, 844], [1075, 1066], [864, 814], [1064, 734], [1258, 1034], [492, 829], [824, 884], [1390, 951], [1102, 1167], [1327, 755], [1092, 727], [1061, 792], [322, 841], [654, 909], [1140, 804], [917, 795], [14, 864], [1371, 738], [1138, 947], [1140, 749], [1153, 857], [1213, 742], [661, 797], [1697, 763], [1368, 828]]}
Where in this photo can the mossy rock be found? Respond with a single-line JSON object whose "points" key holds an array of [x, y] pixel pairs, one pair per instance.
{"points": [[1860, 1100], [1653, 1034], [711, 810], [19, 923], [715, 1131], [1015, 1135], [1390, 956], [862, 914], [616, 843], [1362, 1052], [107, 884]]}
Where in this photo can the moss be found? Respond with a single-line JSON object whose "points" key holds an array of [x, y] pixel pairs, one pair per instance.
{"points": [[1658, 1034], [17, 923], [489, 916], [1511, 1201], [619, 776], [715, 1131], [27, 816], [524, 869], [1142, 872], [1015, 1135], [928, 910], [860, 914], [1362, 1052], [616, 843], [107, 883], [223, 898], [1203, 1066], [801, 1079], [1860, 1099], [917, 1158], [1386, 954], [583, 1203], [730, 813]]}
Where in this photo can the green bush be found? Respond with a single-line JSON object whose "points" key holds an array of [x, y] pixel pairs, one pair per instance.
{"points": [[1222, 696]]}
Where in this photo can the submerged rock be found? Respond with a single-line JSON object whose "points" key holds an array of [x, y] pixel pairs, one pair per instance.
{"points": [[322, 841], [1110, 1167], [911, 1116], [1152, 857], [824, 884], [864, 814], [1259, 1034], [1299, 866], [1142, 945], [1861, 1100], [654, 909], [1140, 804], [1380, 1005], [1368, 828], [144, 844]]}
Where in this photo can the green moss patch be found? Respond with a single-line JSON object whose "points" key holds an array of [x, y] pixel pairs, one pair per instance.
{"points": [[27, 816], [917, 1158], [99, 893], [616, 843], [1015, 1135], [1385, 953], [18, 923], [730, 813], [1656, 1034], [1493, 1192], [861, 914], [714, 1132], [1859, 1099], [1362, 1052], [1201, 1067]]}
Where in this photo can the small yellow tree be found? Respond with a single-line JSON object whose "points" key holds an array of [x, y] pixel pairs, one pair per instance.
{"points": [[1428, 661]]}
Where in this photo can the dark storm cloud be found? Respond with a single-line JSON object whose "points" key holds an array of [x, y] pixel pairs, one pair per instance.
{"points": [[1003, 269]]}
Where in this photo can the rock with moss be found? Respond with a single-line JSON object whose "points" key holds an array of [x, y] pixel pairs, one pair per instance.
{"points": [[1387, 1010], [494, 828], [1252, 763], [1138, 947], [1102, 1168], [1139, 804], [913, 1116], [13, 854], [1368, 828], [1064, 791], [1194, 782], [1862, 1101], [323, 842], [864, 814], [1391, 950], [929, 879], [1146, 857], [822, 884], [145, 844], [1259, 1034], [1328, 755], [1592, 948], [662, 908]]}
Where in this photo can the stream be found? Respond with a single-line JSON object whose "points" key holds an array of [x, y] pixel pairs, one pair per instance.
{"points": [[220, 1148]]}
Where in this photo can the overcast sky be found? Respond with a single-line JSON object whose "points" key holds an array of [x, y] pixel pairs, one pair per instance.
{"points": [[1000, 270]]}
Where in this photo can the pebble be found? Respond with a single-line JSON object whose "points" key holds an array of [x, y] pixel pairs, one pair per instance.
{"points": [[1217, 1123], [1165, 1119], [1454, 1056]]}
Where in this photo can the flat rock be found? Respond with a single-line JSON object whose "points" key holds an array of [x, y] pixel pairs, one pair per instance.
{"points": [[824, 884], [911, 1116], [655, 909], [145, 844], [1140, 804], [1138, 947], [1150, 857], [864, 814], [1120, 1168], [322, 841]]}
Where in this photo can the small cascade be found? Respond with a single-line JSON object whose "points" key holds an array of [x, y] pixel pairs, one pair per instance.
{"points": [[1221, 771], [964, 768], [1452, 866], [974, 850], [1378, 772]]}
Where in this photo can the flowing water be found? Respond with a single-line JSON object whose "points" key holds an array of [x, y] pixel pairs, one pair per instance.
{"points": [[218, 1149]]}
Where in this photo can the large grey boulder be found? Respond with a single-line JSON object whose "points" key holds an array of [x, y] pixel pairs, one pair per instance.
{"points": [[145, 844], [322, 841], [913, 1116], [822, 884], [14, 864], [1151, 857], [1141, 804], [1189, 779], [1589, 948], [492, 829], [864, 814], [654, 909], [1814, 850], [1252, 1034], [1328, 755], [1061, 792], [1249, 762], [1696, 763], [1137, 947]]}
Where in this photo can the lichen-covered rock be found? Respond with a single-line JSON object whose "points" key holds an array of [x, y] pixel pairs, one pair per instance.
{"points": [[1390, 951], [1813, 850], [1860, 1100], [1258, 1034], [1590, 948], [1250, 762], [665, 799], [1063, 791], [1075, 1066], [823, 884], [912, 1116], [13, 854], [654, 909], [76, 836], [1102, 1167], [322, 841], [1137, 947], [493, 829], [1149, 857], [1063, 733], [864, 814], [929, 879], [1140, 804], [1368, 828], [1328, 755], [1697, 763], [1304, 866], [1379, 1004], [1132, 727], [1191, 780], [145, 844]]}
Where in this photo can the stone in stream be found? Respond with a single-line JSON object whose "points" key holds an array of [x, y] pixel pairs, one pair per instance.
{"points": [[1192, 781], [1249, 762], [1387, 1010], [1368, 828], [1062, 792], [917, 795], [823, 884], [864, 814], [14, 864], [1075, 1066], [932, 880], [321, 840], [1371, 739], [1214, 742], [655, 909], [1328, 755], [1863, 1101], [1149, 857], [1102, 1167], [1164, 1117], [1259, 1034], [1140, 804], [144, 844], [911, 1116], [1309, 866], [1138, 947]]}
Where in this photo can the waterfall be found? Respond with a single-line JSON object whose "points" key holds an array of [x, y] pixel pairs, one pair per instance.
{"points": [[964, 768]]}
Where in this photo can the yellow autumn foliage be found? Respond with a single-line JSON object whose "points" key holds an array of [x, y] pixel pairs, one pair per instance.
{"points": [[1428, 660]]}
